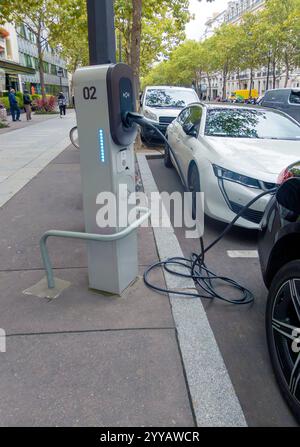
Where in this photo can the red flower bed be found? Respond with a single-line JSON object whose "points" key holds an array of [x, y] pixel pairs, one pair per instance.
{"points": [[47, 104]]}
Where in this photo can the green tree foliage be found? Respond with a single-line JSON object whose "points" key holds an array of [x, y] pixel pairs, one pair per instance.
{"points": [[280, 27], [39, 16], [225, 50], [69, 34], [149, 29], [251, 45], [269, 37]]}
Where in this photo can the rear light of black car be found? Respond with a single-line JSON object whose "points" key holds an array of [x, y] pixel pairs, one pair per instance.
{"points": [[291, 171]]}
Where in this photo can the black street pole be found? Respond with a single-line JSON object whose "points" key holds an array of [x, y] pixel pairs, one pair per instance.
{"points": [[101, 27], [120, 47]]}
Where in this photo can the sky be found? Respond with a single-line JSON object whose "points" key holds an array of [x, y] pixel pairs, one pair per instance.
{"points": [[202, 10]]}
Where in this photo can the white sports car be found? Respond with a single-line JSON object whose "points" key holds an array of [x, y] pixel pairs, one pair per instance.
{"points": [[232, 153]]}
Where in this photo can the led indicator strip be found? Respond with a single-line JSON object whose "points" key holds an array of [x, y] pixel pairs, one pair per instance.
{"points": [[102, 145]]}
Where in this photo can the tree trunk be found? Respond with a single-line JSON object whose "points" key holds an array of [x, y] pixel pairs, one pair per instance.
{"points": [[209, 86], [224, 82], [135, 49], [268, 72], [40, 59], [287, 73], [274, 73], [75, 66], [239, 79], [251, 82], [199, 82]]}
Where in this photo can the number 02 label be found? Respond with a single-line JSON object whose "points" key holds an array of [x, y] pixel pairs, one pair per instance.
{"points": [[89, 93]]}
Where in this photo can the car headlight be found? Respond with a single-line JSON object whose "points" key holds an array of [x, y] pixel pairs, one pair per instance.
{"points": [[150, 115], [231, 176]]}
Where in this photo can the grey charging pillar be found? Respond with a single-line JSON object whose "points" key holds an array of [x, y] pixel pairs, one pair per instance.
{"points": [[102, 94]]}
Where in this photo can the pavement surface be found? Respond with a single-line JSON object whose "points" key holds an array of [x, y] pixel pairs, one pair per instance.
{"points": [[14, 125], [83, 359], [28, 149], [239, 331]]}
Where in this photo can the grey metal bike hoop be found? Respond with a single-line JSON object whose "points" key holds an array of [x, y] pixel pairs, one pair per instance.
{"points": [[71, 137], [88, 237]]}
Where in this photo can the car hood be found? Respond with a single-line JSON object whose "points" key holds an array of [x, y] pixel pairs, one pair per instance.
{"points": [[252, 155], [173, 113]]}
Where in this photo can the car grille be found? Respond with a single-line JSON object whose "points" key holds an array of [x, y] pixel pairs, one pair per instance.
{"points": [[249, 214], [166, 119]]}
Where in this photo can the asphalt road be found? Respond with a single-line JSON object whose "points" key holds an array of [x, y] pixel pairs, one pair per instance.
{"points": [[239, 330]]}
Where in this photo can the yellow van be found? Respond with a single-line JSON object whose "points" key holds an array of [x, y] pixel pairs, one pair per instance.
{"points": [[243, 95]]}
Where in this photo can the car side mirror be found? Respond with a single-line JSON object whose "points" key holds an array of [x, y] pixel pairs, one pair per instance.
{"points": [[190, 130], [288, 195]]}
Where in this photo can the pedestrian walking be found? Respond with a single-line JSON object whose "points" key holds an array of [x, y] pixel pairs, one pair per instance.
{"points": [[62, 104], [27, 104], [14, 107]]}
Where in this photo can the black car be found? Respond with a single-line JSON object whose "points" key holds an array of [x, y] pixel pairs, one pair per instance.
{"points": [[279, 249], [285, 99]]}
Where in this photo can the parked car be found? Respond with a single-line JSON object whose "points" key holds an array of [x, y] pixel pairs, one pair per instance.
{"points": [[285, 99], [279, 246], [232, 153], [259, 100], [162, 104]]}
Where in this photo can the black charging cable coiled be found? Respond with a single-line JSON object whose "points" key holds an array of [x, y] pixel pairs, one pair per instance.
{"points": [[195, 266]]}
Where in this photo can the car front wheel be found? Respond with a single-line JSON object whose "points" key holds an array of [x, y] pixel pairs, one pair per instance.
{"points": [[283, 332]]}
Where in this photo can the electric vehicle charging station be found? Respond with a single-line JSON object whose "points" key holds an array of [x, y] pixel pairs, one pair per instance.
{"points": [[103, 93]]}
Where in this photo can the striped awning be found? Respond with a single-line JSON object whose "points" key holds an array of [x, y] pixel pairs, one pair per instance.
{"points": [[15, 68]]}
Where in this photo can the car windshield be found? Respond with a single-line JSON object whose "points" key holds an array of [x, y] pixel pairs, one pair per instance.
{"points": [[173, 98], [247, 123]]}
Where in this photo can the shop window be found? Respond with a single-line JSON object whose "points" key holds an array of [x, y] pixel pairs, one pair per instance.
{"points": [[46, 67], [28, 61]]}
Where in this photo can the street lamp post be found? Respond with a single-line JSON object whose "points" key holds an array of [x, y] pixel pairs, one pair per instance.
{"points": [[101, 28]]}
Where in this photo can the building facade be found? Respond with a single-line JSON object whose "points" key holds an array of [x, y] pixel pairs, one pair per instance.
{"points": [[19, 66], [233, 14], [10, 67], [53, 65]]}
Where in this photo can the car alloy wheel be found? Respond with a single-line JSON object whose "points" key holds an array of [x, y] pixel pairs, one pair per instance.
{"points": [[283, 332]]}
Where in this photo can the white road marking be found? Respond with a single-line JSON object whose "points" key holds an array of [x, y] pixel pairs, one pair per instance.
{"points": [[242, 253]]}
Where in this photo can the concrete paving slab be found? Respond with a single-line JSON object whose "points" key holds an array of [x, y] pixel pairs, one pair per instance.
{"points": [[42, 290], [32, 148], [24, 123], [69, 156], [78, 308], [111, 379]]}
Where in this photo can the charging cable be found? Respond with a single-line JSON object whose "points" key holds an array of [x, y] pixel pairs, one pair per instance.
{"points": [[195, 267]]}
